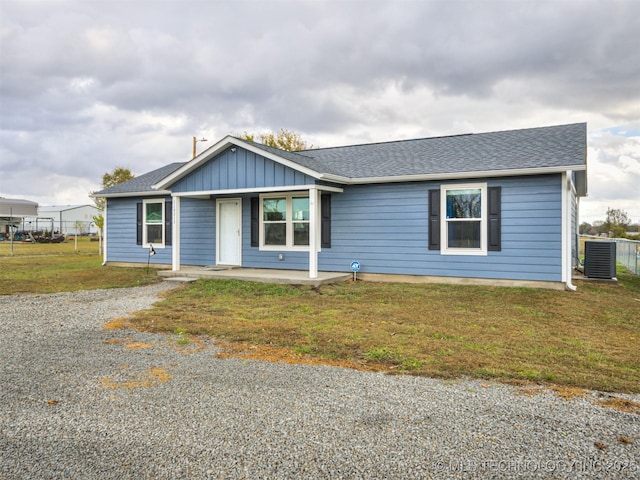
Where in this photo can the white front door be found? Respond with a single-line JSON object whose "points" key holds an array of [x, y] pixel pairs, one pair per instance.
{"points": [[229, 231]]}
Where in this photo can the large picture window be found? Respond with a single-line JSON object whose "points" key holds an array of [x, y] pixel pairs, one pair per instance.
{"points": [[285, 221], [464, 217]]}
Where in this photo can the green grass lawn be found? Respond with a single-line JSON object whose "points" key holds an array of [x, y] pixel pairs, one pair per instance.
{"points": [[588, 339], [83, 245], [59, 267]]}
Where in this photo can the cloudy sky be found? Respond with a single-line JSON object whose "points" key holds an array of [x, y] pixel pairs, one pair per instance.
{"points": [[89, 85]]}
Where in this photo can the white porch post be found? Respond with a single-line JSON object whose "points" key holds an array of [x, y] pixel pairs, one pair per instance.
{"points": [[102, 233], [313, 228], [566, 204], [175, 234]]}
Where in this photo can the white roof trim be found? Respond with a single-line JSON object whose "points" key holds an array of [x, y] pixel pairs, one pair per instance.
{"points": [[149, 193], [237, 191], [452, 176], [347, 181], [218, 148]]}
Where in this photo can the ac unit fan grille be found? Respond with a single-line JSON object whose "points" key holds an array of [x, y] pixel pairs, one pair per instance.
{"points": [[600, 259]]}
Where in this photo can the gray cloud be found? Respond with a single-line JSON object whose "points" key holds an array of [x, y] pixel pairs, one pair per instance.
{"points": [[139, 59], [85, 88]]}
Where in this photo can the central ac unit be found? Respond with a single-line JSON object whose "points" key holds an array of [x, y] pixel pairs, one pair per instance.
{"points": [[600, 259]]}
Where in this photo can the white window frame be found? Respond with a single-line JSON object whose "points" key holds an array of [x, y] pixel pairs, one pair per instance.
{"points": [[289, 246], [444, 221], [145, 240]]}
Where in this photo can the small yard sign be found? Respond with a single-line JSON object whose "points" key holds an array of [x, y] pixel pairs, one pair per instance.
{"points": [[355, 267]]}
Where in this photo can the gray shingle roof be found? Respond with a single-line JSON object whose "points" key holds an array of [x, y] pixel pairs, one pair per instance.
{"points": [[562, 146], [558, 146], [142, 183], [303, 158]]}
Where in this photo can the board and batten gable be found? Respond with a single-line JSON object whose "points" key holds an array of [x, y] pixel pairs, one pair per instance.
{"points": [[237, 170], [385, 228]]}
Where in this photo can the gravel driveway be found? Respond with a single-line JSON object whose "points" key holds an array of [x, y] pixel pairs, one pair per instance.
{"points": [[79, 401]]}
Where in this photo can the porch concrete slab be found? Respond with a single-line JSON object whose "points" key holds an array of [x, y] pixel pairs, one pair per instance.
{"points": [[291, 277]]}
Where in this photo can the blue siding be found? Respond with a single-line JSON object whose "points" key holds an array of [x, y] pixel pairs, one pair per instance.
{"points": [[197, 232], [121, 234], [242, 169], [384, 226]]}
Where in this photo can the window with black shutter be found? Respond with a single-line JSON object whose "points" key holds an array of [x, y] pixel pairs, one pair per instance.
{"points": [[276, 222], [139, 223], [494, 227], [434, 219], [255, 222], [153, 223], [325, 226], [168, 214], [465, 219]]}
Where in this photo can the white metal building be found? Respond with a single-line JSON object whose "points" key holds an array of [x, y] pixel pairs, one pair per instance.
{"points": [[65, 219], [13, 213]]}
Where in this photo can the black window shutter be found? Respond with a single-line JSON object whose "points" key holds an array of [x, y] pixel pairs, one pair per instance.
{"points": [[255, 221], [168, 215], [139, 223], [325, 222], [494, 227], [434, 219]]}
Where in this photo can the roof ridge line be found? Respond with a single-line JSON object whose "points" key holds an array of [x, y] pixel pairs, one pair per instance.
{"points": [[261, 145], [390, 141], [386, 142]]}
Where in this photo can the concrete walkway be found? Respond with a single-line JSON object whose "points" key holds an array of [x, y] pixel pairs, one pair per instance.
{"points": [[292, 277]]}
